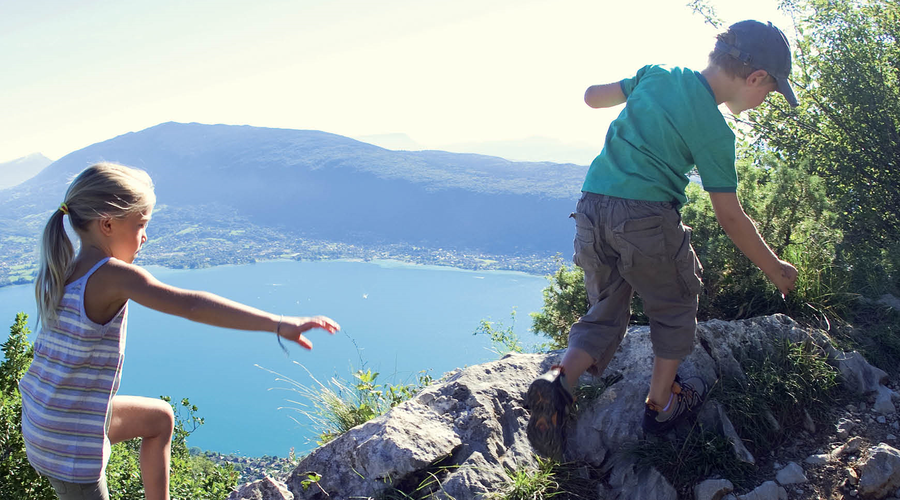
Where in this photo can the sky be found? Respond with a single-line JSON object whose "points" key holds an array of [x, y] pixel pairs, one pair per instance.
{"points": [[456, 75]]}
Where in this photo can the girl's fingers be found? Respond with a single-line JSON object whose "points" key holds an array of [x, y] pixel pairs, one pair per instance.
{"points": [[304, 342], [327, 323]]}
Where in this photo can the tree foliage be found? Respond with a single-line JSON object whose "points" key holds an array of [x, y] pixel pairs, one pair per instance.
{"points": [[847, 128], [565, 300], [19, 479]]}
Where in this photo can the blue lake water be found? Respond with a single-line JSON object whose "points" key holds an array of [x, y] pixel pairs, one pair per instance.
{"points": [[397, 319]]}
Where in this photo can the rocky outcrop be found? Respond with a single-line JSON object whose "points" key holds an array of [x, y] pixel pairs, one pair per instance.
{"points": [[460, 436], [263, 489]]}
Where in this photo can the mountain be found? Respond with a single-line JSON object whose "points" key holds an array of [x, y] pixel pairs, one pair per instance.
{"points": [[301, 185], [16, 171], [532, 149]]}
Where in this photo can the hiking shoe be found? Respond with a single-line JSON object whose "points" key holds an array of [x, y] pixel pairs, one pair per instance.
{"points": [[549, 403], [687, 398]]}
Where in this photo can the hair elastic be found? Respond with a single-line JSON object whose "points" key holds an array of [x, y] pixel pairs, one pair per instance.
{"points": [[278, 336], [64, 208]]}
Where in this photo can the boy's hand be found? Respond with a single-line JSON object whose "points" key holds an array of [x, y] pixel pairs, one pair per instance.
{"points": [[785, 277], [292, 328]]}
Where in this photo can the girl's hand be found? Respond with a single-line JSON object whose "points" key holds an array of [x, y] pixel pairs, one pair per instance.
{"points": [[292, 328]]}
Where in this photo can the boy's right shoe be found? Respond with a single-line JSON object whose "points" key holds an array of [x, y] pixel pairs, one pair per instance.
{"points": [[549, 402], [687, 398]]}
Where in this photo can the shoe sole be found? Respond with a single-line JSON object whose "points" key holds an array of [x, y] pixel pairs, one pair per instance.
{"points": [[544, 430]]}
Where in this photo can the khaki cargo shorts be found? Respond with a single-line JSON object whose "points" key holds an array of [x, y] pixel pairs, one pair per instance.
{"points": [[625, 246]]}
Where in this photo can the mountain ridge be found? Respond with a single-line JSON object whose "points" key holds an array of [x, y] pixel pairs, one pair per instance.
{"points": [[297, 186]]}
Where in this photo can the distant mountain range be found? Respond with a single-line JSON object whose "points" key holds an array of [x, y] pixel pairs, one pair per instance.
{"points": [[19, 170], [530, 149], [295, 185]]}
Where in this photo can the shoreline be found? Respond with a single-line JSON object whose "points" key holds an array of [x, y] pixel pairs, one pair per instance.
{"points": [[384, 262]]}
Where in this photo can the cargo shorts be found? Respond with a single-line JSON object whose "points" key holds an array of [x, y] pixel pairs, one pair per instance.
{"points": [[625, 246]]}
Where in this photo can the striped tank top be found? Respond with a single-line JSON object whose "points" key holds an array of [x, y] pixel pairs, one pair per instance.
{"points": [[68, 390]]}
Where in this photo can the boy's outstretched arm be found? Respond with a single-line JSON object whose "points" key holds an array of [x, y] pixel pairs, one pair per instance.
{"points": [[604, 96], [743, 233]]}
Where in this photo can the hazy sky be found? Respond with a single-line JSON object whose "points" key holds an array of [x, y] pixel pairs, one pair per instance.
{"points": [[73, 73]]}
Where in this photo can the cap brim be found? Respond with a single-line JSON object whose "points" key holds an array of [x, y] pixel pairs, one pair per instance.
{"points": [[784, 88]]}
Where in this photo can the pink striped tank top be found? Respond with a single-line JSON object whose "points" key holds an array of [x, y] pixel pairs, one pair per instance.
{"points": [[68, 390]]}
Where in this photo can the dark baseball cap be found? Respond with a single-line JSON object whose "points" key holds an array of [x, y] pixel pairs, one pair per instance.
{"points": [[762, 46]]}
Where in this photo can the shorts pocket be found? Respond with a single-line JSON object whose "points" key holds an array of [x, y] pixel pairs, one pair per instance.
{"points": [[641, 239], [585, 248], [690, 270]]}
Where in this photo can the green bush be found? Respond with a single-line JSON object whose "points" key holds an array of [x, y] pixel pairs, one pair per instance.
{"points": [[19, 479], [503, 338]]}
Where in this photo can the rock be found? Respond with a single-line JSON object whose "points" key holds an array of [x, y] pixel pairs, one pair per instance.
{"points": [[473, 419], [880, 472], [713, 416], [883, 401], [468, 430], [820, 459], [851, 446], [628, 483], [769, 490], [713, 489], [791, 474], [264, 489], [808, 424], [843, 428], [858, 375]]}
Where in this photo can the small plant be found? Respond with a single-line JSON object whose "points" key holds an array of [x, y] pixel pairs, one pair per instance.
{"points": [[550, 479], [686, 462], [312, 479], [339, 406], [587, 393], [781, 385], [527, 483], [503, 340]]}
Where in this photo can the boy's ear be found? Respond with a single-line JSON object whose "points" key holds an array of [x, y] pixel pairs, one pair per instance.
{"points": [[758, 78]]}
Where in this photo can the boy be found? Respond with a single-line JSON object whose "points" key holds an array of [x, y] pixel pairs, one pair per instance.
{"points": [[629, 234]]}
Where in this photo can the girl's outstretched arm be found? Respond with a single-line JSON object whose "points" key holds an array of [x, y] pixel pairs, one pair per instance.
{"points": [[127, 281]]}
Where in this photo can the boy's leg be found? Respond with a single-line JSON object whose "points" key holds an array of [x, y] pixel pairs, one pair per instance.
{"points": [[661, 265], [151, 420], [664, 371], [593, 340]]}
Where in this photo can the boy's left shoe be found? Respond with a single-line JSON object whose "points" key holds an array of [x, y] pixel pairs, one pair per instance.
{"points": [[687, 398], [549, 402]]}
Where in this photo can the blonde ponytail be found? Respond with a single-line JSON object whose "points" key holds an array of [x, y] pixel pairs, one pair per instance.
{"points": [[101, 190], [57, 254]]}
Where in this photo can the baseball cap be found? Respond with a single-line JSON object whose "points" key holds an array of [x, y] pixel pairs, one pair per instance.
{"points": [[762, 46]]}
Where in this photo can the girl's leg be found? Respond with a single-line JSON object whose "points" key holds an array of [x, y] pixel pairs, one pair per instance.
{"points": [[151, 420]]}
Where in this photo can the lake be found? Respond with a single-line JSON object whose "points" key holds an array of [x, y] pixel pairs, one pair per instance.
{"points": [[397, 319]]}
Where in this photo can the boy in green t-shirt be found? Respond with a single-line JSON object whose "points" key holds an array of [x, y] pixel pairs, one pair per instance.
{"points": [[629, 236]]}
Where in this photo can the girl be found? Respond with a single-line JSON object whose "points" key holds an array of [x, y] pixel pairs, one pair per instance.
{"points": [[70, 411]]}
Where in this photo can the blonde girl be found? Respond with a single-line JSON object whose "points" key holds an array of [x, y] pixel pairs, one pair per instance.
{"points": [[70, 411]]}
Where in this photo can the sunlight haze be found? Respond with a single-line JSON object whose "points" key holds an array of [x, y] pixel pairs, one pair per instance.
{"points": [[433, 74]]}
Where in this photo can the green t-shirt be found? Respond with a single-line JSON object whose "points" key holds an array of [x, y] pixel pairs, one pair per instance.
{"points": [[670, 123]]}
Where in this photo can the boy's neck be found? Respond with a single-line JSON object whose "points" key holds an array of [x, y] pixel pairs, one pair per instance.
{"points": [[721, 83]]}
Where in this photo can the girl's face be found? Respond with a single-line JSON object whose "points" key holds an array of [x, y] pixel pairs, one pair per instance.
{"points": [[129, 235]]}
